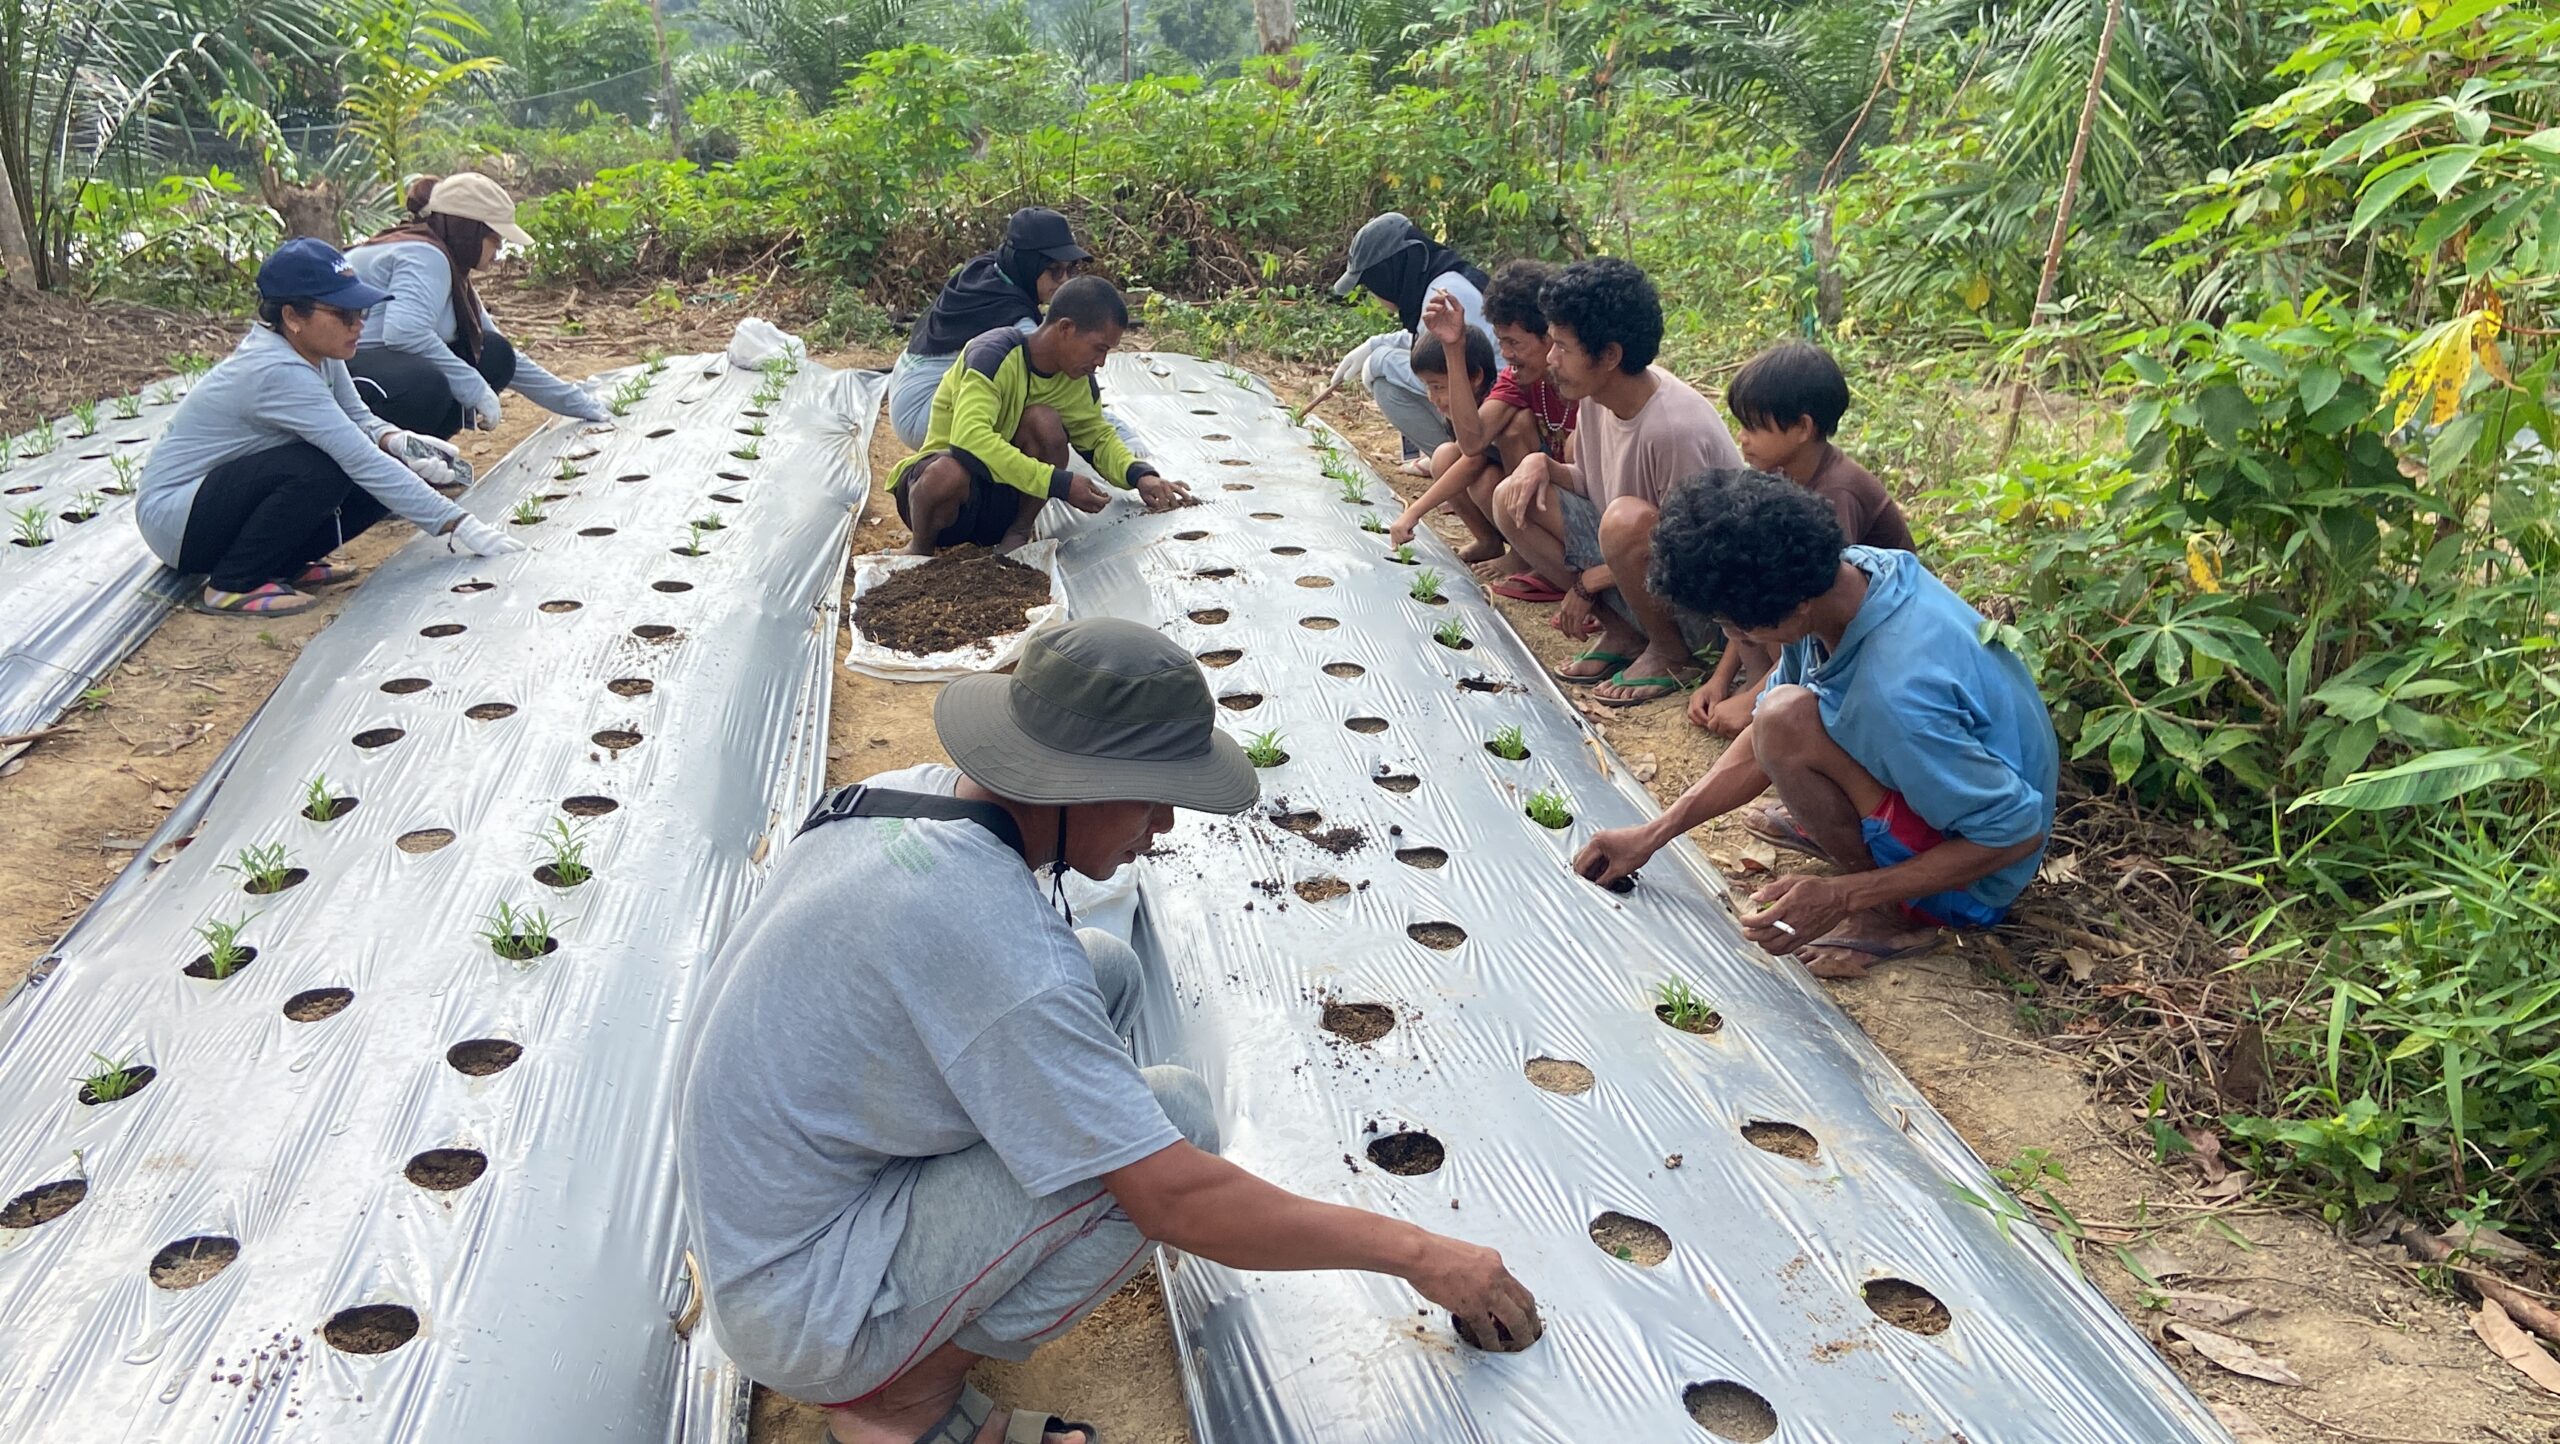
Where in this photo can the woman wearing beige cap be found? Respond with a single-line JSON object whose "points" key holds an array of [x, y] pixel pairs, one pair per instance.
{"points": [[432, 361]]}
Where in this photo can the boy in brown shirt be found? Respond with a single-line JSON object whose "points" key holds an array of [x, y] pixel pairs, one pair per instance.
{"points": [[1789, 400]]}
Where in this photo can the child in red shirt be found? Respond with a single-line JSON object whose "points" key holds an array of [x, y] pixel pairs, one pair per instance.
{"points": [[1524, 414]]}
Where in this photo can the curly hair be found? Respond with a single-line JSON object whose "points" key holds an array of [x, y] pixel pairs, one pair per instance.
{"points": [[1512, 298], [1789, 381], [1606, 301], [1744, 547]]}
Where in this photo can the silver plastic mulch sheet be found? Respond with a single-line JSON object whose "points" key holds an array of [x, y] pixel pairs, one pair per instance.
{"points": [[386, 1157], [78, 589], [1405, 1001]]}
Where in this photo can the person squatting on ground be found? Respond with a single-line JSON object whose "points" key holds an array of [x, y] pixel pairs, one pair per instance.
{"points": [[911, 1133], [1004, 419], [1906, 751], [1396, 262], [1451, 469], [272, 462], [1523, 414], [432, 361], [1790, 399], [1586, 525], [1005, 287]]}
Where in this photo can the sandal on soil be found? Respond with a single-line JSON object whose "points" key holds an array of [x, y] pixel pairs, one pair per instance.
{"points": [[322, 574], [969, 1415], [1872, 950], [1776, 827], [274, 599], [1527, 587], [1656, 688], [1589, 654]]}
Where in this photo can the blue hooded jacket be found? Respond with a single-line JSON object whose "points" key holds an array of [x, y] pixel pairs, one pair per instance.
{"points": [[1954, 724]]}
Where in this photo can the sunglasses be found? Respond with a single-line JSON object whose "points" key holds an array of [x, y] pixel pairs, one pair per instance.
{"points": [[341, 314]]}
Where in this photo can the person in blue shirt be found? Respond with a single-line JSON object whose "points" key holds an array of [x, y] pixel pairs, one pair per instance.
{"points": [[1906, 751]]}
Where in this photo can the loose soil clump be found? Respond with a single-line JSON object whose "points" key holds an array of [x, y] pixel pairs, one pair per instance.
{"points": [[1323, 889], [1358, 1022], [959, 599]]}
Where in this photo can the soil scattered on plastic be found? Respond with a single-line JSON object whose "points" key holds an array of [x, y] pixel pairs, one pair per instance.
{"points": [[1340, 841], [1322, 889], [959, 599], [1358, 1022]]}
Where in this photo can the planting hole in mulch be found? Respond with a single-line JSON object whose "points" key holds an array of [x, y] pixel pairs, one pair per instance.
{"points": [[489, 711], [1358, 1022], [1233, 461], [468, 588], [1630, 1239], [1498, 752], [202, 966], [616, 739], [1214, 574], [43, 1203], [1730, 1411], [656, 632], [442, 1170], [730, 474], [1906, 1306], [1345, 670], [313, 1004], [443, 629], [588, 805], [1556, 826], [1340, 841], [1315, 584], [633, 476], [337, 807], [1323, 889], [191, 1261], [1215, 436], [1467, 1333], [1701, 1024], [558, 605], [725, 499], [291, 877], [480, 1057], [549, 876], [1222, 657], [425, 839], [1194, 535], [137, 1077], [1560, 1075], [371, 1328], [660, 433], [1319, 624], [373, 737], [959, 599], [521, 948], [1367, 724], [1241, 701], [1209, 616], [1266, 516], [402, 686], [1238, 486], [1398, 782], [1783, 1139], [1442, 936], [1487, 684], [1429, 859], [631, 686], [1288, 551], [595, 531], [671, 586], [1408, 1155]]}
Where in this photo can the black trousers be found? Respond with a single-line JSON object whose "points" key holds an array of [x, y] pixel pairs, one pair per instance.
{"points": [[270, 514], [408, 391]]}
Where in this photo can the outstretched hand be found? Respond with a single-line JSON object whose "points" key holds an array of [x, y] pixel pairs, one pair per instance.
{"points": [[1162, 495], [1469, 1280], [1612, 854]]}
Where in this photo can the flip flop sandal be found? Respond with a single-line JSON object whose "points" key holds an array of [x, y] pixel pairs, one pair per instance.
{"points": [[1875, 950], [1661, 687], [321, 574], [1594, 654], [969, 1415], [274, 599], [1776, 827], [1527, 587]]}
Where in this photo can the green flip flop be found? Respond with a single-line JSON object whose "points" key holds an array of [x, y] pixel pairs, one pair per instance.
{"points": [[1661, 687], [1594, 654]]}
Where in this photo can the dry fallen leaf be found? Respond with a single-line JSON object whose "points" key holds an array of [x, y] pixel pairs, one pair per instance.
{"points": [[2237, 1356], [2204, 1308], [2063, 869], [2485, 1242], [2230, 1186], [2243, 1428], [2515, 1346], [2082, 963], [2208, 1147], [2159, 1263], [1643, 766]]}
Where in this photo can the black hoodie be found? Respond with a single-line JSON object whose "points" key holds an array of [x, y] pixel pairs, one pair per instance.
{"points": [[1403, 280]]}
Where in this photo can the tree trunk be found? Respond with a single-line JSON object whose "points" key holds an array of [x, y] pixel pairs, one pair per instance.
{"points": [[1830, 293], [1276, 22], [667, 96], [310, 211], [17, 263], [2061, 223], [1124, 42]]}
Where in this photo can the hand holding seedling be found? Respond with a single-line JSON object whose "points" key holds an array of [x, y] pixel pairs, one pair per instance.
{"points": [[1796, 910], [1162, 495], [1612, 853], [1087, 495]]}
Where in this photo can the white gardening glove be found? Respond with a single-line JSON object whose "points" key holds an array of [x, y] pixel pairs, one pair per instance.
{"points": [[483, 414], [436, 462], [589, 409], [1354, 365], [480, 539]]}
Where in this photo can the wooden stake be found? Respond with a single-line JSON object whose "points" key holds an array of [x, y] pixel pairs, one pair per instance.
{"points": [[667, 95]]}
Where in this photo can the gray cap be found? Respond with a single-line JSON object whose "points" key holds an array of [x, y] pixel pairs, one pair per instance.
{"points": [[1098, 710], [1384, 236]]}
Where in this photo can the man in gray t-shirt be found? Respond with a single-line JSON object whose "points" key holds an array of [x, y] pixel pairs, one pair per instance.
{"points": [[911, 1136]]}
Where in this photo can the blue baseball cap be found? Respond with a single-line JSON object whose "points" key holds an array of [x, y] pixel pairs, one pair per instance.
{"points": [[312, 270]]}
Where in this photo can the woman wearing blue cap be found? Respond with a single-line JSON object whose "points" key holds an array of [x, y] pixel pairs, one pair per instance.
{"points": [[272, 462]]}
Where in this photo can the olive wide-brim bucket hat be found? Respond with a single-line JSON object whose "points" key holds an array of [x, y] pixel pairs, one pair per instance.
{"points": [[1098, 710]]}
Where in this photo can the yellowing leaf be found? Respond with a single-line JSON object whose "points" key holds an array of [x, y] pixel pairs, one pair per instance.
{"points": [[2203, 567], [2435, 375], [2484, 341], [1977, 292]]}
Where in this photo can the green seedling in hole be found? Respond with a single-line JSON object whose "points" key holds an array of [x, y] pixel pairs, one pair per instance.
{"points": [[222, 951], [32, 523], [566, 847], [125, 468], [1297, 416], [656, 361], [693, 535], [191, 365], [569, 470], [265, 867], [1509, 745], [8, 455], [1370, 523], [163, 394], [319, 801], [128, 407], [40, 440], [754, 426], [781, 368], [1354, 490], [526, 513], [1626, 1253], [1547, 809], [1682, 1008], [1263, 749], [707, 522], [1426, 585], [85, 414], [1451, 634], [1404, 553], [750, 451], [116, 1078], [518, 935], [84, 506]]}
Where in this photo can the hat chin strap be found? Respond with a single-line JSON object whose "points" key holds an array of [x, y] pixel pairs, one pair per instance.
{"points": [[1058, 871]]}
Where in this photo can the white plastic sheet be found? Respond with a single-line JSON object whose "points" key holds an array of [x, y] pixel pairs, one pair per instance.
{"points": [[73, 607], [546, 1290], [1762, 1294]]}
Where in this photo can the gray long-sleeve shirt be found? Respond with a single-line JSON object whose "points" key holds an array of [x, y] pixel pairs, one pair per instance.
{"points": [[262, 396], [419, 319]]}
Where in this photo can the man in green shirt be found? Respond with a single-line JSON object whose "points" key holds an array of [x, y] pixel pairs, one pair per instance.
{"points": [[996, 449]]}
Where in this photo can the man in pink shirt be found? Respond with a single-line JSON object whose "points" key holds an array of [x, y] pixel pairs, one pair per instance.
{"points": [[1586, 526]]}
